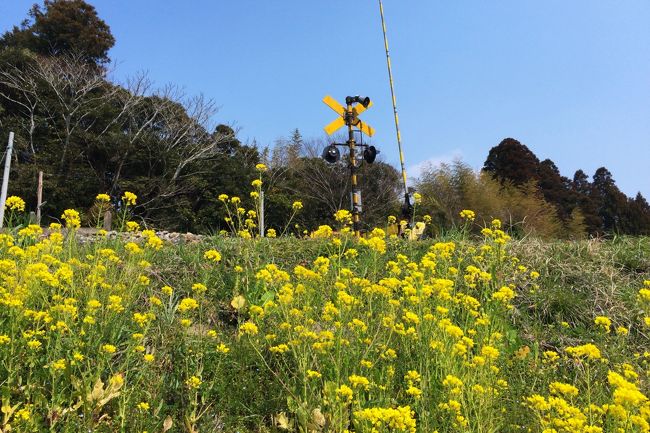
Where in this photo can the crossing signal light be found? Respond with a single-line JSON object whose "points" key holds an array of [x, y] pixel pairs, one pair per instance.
{"points": [[331, 154], [370, 154]]}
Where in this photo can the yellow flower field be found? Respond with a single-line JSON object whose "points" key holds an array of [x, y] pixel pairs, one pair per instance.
{"points": [[325, 333]]}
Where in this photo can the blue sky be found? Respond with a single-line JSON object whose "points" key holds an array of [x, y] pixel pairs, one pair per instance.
{"points": [[570, 79]]}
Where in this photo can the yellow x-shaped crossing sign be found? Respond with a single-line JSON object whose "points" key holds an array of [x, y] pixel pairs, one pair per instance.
{"points": [[355, 111]]}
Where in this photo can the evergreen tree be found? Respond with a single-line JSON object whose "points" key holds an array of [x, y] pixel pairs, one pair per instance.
{"points": [[612, 203], [63, 27], [512, 161], [584, 197], [641, 202], [637, 216], [555, 189], [294, 146]]}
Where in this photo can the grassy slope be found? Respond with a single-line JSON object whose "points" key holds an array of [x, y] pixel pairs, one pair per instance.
{"points": [[579, 281]]}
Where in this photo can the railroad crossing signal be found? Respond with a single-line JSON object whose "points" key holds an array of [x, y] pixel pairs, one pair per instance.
{"points": [[350, 116]]}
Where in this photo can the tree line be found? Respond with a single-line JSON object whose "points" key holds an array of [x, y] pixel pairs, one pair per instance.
{"points": [[90, 135], [532, 197]]}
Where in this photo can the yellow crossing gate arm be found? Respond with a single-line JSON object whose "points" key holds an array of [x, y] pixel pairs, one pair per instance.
{"points": [[392, 94]]}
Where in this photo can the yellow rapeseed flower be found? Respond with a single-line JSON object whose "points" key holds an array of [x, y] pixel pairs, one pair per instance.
{"points": [[399, 419], [212, 255], [24, 414], [193, 382], [15, 203], [559, 388], [359, 382], [199, 288], [505, 294], [622, 330], [103, 198], [604, 323], [129, 198], [644, 294], [72, 219], [248, 328], [34, 344], [323, 232], [344, 393], [343, 216], [280, 348], [588, 351], [414, 391], [222, 348], [538, 402], [109, 348], [311, 374], [467, 214], [187, 304], [58, 364]]}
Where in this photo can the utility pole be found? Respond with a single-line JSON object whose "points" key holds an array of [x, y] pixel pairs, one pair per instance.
{"points": [[5, 179]]}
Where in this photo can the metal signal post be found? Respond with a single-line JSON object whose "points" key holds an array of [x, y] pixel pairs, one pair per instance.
{"points": [[350, 118], [356, 192]]}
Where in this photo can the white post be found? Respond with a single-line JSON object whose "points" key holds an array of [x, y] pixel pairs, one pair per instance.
{"points": [[262, 214], [39, 198], [5, 179]]}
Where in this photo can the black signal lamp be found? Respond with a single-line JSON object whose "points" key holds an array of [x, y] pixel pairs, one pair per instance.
{"points": [[363, 100], [331, 154], [370, 154]]}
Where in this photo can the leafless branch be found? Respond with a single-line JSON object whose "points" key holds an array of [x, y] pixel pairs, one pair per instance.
{"points": [[21, 88]]}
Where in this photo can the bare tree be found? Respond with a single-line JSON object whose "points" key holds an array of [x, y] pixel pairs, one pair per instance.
{"points": [[79, 90], [136, 112], [182, 129], [322, 182], [21, 88], [187, 136], [127, 101]]}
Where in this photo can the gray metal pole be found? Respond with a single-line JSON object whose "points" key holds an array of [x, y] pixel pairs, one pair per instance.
{"points": [[5, 179]]}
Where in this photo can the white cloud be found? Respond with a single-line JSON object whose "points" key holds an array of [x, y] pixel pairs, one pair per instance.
{"points": [[416, 170]]}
